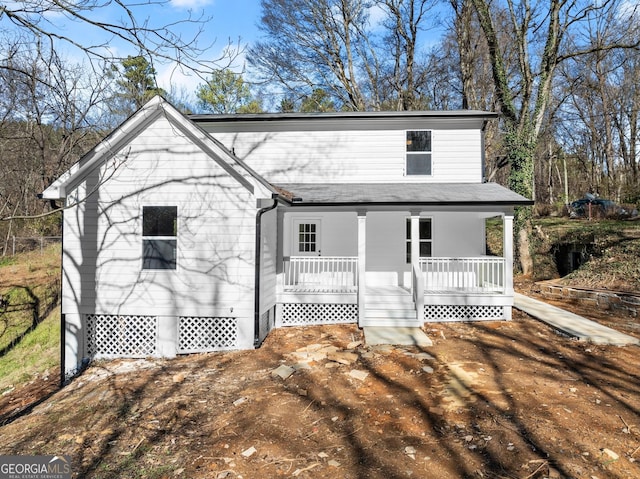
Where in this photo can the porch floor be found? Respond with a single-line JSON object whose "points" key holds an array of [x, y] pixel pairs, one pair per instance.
{"points": [[386, 290], [320, 290]]}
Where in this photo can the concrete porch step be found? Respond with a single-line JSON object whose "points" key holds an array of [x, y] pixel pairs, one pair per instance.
{"points": [[407, 336], [391, 317], [389, 306], [391, 322]]}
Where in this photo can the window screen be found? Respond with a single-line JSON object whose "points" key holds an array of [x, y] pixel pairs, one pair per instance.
{"points": [[159, 242], [418, 152]]}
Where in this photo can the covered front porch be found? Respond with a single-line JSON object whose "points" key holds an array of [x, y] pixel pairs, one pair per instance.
{"points": [[445, 289], [391, 267]]}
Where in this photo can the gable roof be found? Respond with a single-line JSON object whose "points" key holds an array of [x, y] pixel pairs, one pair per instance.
{"points": [[122, 135], [452, 194]]}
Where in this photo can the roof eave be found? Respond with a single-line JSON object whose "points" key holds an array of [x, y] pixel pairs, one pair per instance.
{"points": [[267, 117], [410, 203]]}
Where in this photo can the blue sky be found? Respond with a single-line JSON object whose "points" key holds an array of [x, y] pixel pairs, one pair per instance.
{"points": [[230, 20]]}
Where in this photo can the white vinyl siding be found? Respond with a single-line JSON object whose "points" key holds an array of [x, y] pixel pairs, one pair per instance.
{"points": [[355, 155], [338, 233], [103, 235], [269, 260]]}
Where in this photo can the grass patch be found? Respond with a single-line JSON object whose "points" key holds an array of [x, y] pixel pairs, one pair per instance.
{"points": [[29, 316], [36, 355]]}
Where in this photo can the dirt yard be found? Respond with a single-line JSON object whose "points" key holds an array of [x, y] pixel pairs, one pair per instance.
{"points": [[488, 400]]}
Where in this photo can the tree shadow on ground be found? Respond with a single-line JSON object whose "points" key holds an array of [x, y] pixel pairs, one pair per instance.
{"points": [[23, 316], [500, 399]]}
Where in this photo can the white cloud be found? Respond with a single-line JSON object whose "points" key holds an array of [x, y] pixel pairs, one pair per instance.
{"points": [[190, 4], [377, 15], [174, 79]]}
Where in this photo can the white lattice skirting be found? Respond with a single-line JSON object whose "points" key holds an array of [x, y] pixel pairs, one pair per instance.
{"points": [[450, 312], [199, 335], [126, 336], [296, 314]]}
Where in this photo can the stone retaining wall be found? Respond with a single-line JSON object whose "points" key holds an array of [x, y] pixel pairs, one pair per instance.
{"points": [[626, 303]]}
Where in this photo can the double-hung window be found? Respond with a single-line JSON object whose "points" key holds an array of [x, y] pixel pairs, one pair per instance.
{"points": [[418, 153], [159, 237], [425, 238]]}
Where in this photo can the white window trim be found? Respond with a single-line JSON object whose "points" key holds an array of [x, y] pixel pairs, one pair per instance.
{"points": [[295, 245], [406, 153], [143, 238]]}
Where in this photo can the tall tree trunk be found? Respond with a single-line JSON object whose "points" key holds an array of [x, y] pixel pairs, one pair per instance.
{"points": [[521, 146], [463, 28]]}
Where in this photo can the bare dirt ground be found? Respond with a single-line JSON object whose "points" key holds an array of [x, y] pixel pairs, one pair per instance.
{"points": [[488, 400]]}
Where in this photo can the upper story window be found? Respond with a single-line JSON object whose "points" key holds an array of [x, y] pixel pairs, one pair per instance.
{"points": [[418, 160], [159, 237]]}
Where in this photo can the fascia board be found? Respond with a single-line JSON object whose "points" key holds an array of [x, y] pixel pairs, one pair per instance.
{"points": [[226, 159], [112, 143], [207, 144], [128, 130]]}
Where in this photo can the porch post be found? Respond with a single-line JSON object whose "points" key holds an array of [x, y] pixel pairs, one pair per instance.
{"points": [[416, 273], [415, 240], [507, 248], [362, 253]]}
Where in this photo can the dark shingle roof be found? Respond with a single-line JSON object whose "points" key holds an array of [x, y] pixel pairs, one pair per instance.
{"points": [[266, 117], [406, 193]]}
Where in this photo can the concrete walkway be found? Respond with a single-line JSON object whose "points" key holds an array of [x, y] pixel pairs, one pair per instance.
{"points": [[571, 323], [374, 335]]}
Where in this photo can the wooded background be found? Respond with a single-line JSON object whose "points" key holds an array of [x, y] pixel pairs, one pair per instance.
{"points": [[565, 76]]}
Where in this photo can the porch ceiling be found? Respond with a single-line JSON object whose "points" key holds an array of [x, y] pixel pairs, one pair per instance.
{"points": [[402, 193]]}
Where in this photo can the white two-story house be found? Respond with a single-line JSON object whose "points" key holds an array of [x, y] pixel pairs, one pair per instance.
{"points": [[203, 233]]}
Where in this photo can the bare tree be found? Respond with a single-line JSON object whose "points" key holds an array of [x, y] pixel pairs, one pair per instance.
{"points": [[153, 36], [314, 44], [544, 34], [51, 112], [404, 71], [331, 45], [599, 119]]}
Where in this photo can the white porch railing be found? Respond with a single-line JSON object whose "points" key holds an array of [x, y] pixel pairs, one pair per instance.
{"points": [[331, 274], [474, 275]]}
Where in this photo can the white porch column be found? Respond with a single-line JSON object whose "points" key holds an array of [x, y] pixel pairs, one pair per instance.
{"points": [[507, 248], [416, 284], [362, 253], [415, 240]]}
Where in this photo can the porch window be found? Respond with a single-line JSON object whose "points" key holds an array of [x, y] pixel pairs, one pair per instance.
{"points": [[418, 153], [425, 238], [308, 237], [159, 237]]}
